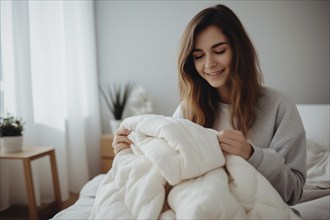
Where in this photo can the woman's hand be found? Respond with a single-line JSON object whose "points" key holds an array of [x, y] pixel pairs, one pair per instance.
{"points": [[120, 140], [234, 142]]}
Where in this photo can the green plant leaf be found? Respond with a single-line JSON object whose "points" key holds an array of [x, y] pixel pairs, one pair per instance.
{"points": [[11, 126], [116, 98]]}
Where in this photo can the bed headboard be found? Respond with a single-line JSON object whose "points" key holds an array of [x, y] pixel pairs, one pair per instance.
{"points": [[316, 122]]}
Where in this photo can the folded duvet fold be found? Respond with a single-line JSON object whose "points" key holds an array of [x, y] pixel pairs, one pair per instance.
{"points": [[206, 184]]}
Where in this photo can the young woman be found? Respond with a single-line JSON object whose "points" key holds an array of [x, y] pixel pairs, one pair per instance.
{"points": [[220, 86]]}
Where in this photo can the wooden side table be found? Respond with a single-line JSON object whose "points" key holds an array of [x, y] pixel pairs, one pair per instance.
{"points": [[27, 155], [106, 152]]}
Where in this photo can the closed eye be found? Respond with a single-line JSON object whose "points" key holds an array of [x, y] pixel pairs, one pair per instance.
{"points": [[220, 52], [198, 57]]}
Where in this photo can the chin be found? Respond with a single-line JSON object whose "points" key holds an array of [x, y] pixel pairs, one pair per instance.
{"points": [[216, 85]]}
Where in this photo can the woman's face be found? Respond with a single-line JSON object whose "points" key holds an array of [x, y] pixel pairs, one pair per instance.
{"points": [[212, 58]]}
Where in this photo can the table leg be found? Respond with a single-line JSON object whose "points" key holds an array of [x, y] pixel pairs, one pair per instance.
{"points": [[57, 191], [30, 189]]}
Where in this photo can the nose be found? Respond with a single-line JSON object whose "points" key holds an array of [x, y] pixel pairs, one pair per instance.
{"points": [[210, 62]]}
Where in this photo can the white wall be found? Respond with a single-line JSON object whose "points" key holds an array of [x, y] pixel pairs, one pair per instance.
{"points": [[138, 41]]}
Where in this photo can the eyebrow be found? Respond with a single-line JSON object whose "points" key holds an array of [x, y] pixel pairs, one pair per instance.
{"points": [[213, 46]]}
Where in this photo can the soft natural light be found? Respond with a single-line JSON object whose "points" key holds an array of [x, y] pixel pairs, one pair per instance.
{"points": [[47, 63], [49, 79], [7, 58]]}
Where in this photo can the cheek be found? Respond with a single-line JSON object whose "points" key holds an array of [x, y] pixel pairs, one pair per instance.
{"points": [[228, 62], [198, 66], [228, 59]]}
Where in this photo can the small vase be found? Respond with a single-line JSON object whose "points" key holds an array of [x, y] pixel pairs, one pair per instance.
{"points": [[114, 125], [12, 144]]}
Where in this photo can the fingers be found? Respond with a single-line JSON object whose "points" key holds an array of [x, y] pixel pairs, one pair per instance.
{"points": [[227, 140], [121, 136], [123, 131], [229, 148], [230, 136], [121, 146], [234, 142], [120, 140]]}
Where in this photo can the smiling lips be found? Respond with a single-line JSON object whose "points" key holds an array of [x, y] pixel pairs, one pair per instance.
{"points": [[215, 73]]}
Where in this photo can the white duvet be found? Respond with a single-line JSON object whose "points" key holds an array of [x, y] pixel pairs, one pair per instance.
{"points": [[207, 184]]}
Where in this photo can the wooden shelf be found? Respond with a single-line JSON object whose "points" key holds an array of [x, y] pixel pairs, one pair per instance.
{"points": [[106, 152]]}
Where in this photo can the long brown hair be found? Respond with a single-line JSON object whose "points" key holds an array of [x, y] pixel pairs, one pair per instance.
{"points": [[199, 101]]}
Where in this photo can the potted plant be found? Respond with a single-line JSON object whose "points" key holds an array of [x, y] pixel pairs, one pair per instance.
{"points": [[11, 129], [116, 97]]}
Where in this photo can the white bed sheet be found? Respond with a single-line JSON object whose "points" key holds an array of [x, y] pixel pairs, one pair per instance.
{"points": [[83, 206], [317, 208]]}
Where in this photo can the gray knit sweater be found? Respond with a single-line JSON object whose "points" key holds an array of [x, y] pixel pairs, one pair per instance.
{"points": [[279, 142]]}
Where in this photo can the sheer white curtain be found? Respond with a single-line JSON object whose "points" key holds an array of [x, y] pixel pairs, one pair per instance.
{"points": [[49, 78]]}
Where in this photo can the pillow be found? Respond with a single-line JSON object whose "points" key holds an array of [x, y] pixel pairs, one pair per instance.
{"points": [[317, 165], [318, 177]]}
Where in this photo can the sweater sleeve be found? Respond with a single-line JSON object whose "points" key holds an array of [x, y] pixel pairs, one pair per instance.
{"points": [[283, 163]]}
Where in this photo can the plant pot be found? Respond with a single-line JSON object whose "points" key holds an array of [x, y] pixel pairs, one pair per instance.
{"points": [[114, 125], [12, 144]]}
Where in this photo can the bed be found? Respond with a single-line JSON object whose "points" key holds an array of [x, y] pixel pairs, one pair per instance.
{"points": [[315, 202]]}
